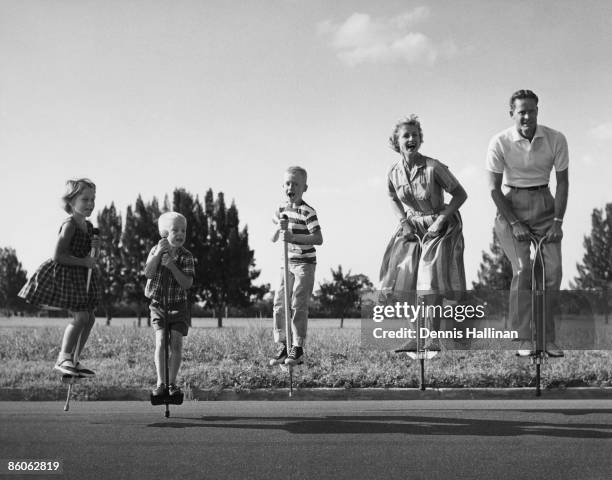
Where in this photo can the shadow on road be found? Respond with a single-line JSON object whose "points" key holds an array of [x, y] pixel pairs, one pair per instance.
{"points": [[405, 424], [572, 412]]}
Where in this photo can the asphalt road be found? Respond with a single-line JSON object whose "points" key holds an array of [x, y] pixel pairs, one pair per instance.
{"points": [[456, 439]]}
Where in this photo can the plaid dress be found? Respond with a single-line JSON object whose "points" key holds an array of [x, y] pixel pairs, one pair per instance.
{"points": [[65, 286]]}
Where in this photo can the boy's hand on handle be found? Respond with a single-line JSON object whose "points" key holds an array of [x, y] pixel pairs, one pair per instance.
{"points": [[164, 251], [284, 234], [163, 246]]}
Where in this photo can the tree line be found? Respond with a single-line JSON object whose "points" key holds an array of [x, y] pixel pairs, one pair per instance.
{"points": [[225, 264]]}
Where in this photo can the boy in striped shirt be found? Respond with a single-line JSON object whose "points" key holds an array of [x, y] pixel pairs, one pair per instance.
{"points": [[295, 223]]}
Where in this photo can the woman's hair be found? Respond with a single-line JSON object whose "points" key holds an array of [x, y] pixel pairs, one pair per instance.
{"points": [[411, 119], [73, 188], [166, 220]]}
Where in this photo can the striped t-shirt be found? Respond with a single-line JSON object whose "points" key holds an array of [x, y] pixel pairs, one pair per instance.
{"points": [[302, 220]]}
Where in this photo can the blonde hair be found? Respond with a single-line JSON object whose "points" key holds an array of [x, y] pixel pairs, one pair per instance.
{"points": [[411, 119], [73, 188], [166, 220], [298, 170]]}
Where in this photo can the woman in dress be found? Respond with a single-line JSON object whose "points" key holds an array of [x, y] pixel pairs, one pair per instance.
{"points": [[416, 186]]}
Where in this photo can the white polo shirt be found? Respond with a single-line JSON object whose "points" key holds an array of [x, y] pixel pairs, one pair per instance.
{"points": [[525, 163]]}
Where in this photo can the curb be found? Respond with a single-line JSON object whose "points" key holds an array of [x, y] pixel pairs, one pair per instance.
{"points": [[321, 394]]}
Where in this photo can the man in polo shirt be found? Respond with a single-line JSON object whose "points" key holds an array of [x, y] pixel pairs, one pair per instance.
{"points": [[522, 157]]}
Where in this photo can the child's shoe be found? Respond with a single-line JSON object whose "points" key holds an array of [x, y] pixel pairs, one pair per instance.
{"points": [[295, 357], [84, 372], [281, 354], [66, 366], [159, 390], [553, 350], [432, 344], [525, 349], [174, 389], [410, 346]]}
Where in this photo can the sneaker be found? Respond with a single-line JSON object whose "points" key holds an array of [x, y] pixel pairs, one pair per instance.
{"points": [[296, 356], [410, 346], [553, 350], [432, 344], [159, 390], [281, 354], [84, 372], [525, 349], [173, 389], [66, 366]]}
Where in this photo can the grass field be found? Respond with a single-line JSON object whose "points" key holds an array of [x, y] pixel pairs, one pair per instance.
{"points": [[236, 357]]}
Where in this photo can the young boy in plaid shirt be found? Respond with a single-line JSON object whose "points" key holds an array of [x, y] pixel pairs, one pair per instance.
{"points": [[168, 258]]}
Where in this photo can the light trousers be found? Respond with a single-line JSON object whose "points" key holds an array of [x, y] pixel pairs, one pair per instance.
{"points": [[536, 209], [300, 285]]}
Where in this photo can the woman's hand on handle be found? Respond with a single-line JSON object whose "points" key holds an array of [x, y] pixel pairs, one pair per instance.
{"points": [[407, 229], [437, 226]]}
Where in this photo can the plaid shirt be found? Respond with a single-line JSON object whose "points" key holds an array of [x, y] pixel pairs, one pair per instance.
{"points": [[177, 295]]}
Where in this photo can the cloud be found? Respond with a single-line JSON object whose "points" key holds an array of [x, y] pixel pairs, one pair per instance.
{"points": [[363, 39], [602, 132]]}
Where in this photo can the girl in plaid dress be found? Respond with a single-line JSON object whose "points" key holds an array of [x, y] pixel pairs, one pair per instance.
{"points": [[61, 281]]}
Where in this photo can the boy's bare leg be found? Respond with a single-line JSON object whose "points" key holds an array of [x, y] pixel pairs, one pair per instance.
{"points": [[176, 354], [160, 364]]}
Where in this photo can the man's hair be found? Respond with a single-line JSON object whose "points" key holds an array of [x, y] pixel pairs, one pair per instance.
{"points": [[522, 95], [298, 170], [165, 221]]}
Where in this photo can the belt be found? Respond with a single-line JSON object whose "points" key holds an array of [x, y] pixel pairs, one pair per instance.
{"points": [[537, 187]]}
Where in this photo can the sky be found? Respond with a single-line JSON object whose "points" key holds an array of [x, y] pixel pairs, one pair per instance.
{"points": [[146, 96]]}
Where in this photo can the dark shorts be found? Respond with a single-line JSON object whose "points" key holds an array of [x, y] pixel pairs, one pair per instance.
{"points": [[178, 319]]}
